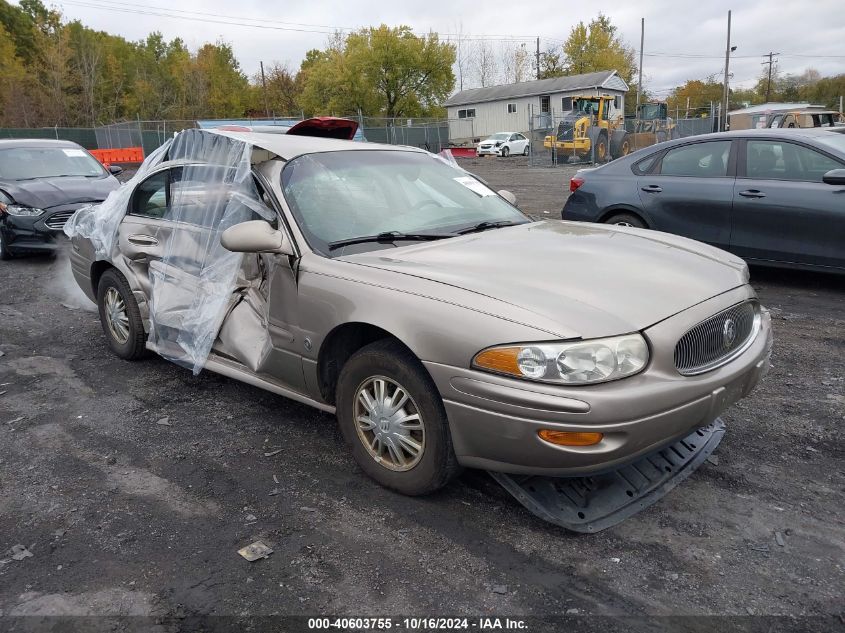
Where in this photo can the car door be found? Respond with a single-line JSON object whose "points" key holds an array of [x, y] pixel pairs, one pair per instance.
{"points": [[782, 210], [689, 191], [145, 229], [517, 143], [162, 221]]}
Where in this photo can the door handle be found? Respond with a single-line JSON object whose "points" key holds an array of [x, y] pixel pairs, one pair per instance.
{"points": [[143, 240], [652, 189], [752, 193]]}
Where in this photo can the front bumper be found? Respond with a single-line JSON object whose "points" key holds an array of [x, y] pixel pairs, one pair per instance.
{"points": [[494, 419], [23, 234], [488, 151]]}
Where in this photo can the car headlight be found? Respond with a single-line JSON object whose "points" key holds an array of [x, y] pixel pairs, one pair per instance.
{"points": [[498, 143], [16, 209], [568, 363]]}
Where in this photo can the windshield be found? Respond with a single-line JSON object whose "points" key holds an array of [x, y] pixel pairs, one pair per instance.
{"points": [[587, 106], [27, 163], [836, 140], [501, 136], [342, 195]]}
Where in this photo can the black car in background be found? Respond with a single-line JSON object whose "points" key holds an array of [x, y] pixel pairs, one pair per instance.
{"points": [[770, 196], [42, 184]]}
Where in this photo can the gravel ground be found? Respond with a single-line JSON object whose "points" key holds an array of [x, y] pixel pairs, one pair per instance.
{"points": [[134, 484]]}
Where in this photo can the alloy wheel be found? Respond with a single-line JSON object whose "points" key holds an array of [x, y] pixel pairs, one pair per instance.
{"points": [[117, 319], [389, 423]]}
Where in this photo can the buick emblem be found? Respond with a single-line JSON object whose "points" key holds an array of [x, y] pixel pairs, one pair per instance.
{"points": [[728, 333]]}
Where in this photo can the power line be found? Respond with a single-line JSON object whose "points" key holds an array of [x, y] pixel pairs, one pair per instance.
{"points": [[262, 23]]}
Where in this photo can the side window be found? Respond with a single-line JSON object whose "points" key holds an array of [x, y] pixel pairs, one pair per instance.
{"points": [[700, 160], [779, 160], [150, 197], [514, 137], [643, 166], [776, 120]]}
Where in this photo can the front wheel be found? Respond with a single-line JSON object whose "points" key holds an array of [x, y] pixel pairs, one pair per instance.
{"points": [[393, 419], [525, 151], [506, 151], [120, 316]]}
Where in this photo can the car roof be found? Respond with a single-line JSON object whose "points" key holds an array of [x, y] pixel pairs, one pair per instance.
{"points": [[288, 146], [35, 142]]}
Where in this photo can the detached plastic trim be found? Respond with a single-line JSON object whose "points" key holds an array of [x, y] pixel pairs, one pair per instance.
{"points": [[597, 502]]}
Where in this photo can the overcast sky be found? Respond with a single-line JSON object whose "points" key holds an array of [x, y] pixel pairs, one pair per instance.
{"points": [[683, 38]]}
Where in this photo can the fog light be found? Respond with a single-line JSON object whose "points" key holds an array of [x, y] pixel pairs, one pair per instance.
{"points": [[569, 438]]}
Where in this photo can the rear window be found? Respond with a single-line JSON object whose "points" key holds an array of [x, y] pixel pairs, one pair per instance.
{"points": [[644, 166], [836, 140]]}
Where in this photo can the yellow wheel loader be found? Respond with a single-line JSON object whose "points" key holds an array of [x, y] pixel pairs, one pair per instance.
{"points": [[653, 125], [593, 130]]}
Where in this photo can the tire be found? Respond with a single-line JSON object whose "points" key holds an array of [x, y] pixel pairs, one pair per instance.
{"points": [[602, 154], [133, 345], [5, 253], [525, 151], [393, 364], [506, 151], [621, 148], [626, 219], [562, 159]]}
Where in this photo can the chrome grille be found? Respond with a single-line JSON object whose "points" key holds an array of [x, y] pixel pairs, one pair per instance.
{"points": [[57, 220], [716, 340]]}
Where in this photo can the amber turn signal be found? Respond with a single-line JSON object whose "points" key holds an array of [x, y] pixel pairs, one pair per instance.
{"points": [[569, 438], [499, 359]]}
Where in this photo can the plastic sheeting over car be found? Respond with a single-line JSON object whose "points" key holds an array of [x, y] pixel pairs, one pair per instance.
{"points": [[193, 189]]}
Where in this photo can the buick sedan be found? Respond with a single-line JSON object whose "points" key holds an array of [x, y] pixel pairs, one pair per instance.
{"points": [[442, 326]]}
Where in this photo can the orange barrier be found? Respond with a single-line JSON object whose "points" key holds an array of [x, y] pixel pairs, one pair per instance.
{"points": [[120, 155], [463, 152]]}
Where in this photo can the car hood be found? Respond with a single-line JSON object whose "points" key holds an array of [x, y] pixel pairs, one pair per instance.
{"points": [[591, 280], [44, 193]]}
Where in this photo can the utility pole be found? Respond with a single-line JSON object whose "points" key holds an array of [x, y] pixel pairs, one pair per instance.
{"points": [[264, 89], [640, 81], [769, 82], [724, 115], [538, 58]]}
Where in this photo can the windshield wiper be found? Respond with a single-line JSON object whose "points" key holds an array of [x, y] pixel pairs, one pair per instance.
{"points": [[486, 226], [388, 237]]}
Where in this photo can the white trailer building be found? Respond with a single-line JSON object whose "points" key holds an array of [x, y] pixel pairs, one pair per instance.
{"points": [[476, 113]]}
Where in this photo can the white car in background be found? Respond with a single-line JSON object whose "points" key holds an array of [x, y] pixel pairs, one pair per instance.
{"points": [[503, 144]]}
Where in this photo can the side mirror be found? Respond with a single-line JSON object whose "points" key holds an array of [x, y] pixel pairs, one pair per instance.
{"points": [[507, 195], [115, 170], [255, 236], [834, 177]]}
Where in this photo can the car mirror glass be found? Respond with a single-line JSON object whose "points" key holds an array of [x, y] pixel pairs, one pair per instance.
{"points": [[115, 170]]}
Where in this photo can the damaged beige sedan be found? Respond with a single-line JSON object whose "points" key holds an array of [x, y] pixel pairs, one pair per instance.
{"points": [[584, 366]]}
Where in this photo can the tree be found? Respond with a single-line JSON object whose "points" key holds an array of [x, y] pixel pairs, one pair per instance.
{"points": [[380, 71], [283, 90], [483, 63], [516, 64], [597, 47], [697, 93]]}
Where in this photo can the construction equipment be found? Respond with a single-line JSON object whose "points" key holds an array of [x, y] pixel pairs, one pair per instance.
{"points": [[594, 129], [652, 125]]}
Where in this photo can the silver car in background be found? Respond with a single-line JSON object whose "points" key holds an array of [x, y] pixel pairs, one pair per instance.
{"points": [[440, 324]]}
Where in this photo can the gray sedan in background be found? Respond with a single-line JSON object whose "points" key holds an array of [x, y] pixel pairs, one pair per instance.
{"points": [[774, 197]]}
